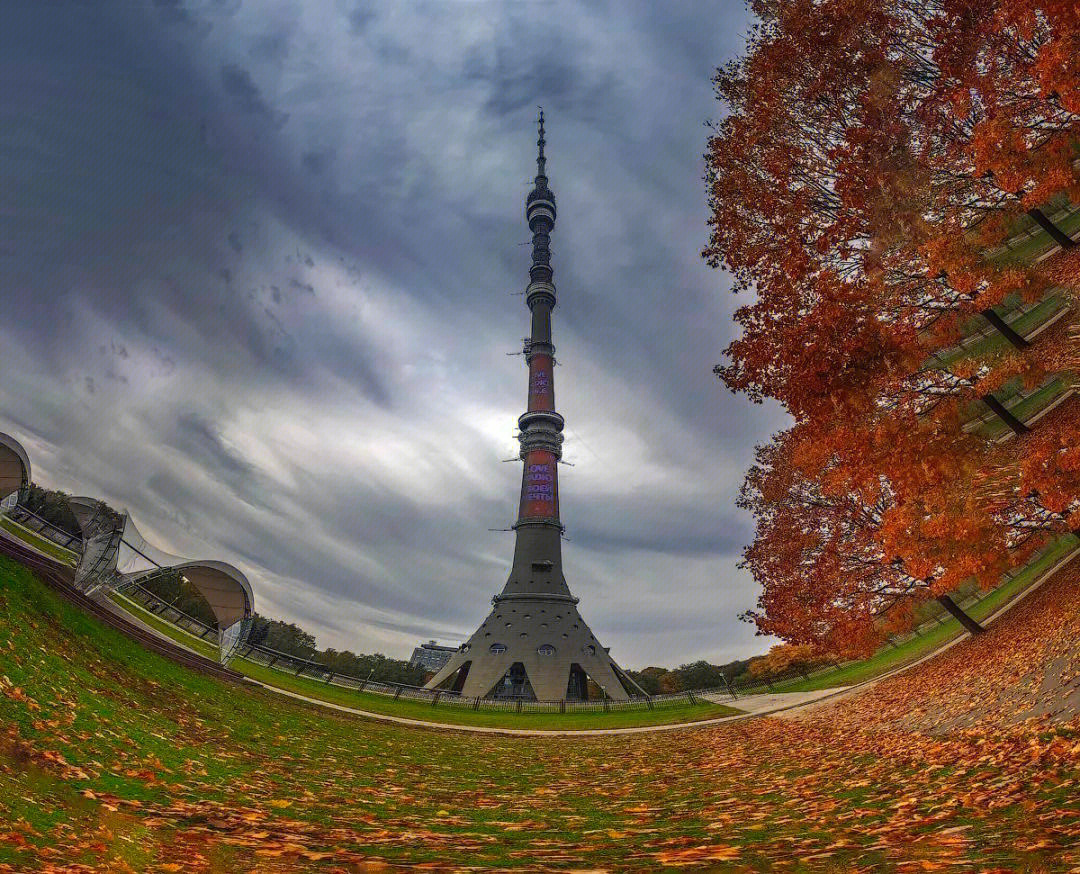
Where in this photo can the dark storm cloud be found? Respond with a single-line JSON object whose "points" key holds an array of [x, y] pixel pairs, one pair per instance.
{"points": [[201, 441], [317, 162], [273, 48], [360, 18], [265, 264], [666, 526], [514, 85], [237, 83], [350, 362], [173, 12]]}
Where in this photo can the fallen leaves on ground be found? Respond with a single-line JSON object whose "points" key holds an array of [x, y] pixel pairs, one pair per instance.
{"points": [[968, 762]]}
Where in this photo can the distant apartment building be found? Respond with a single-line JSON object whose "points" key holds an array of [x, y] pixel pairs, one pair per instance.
{"points": [[432, 656]]}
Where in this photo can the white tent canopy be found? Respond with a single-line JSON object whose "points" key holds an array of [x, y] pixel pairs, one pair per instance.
{"points": [[225, 587], [14, 467], [130, 558]]}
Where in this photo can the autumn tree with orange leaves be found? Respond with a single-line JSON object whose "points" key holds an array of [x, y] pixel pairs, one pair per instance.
{"points": [[844, 190], [842, 567], [784, 658], [873, 160]]}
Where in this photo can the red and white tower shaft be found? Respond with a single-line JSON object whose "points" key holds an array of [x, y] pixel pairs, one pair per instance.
{"points": [[538, 551], [541, 426]]}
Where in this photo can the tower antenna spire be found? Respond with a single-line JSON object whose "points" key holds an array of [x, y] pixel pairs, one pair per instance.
{"points": [[541, 161]]}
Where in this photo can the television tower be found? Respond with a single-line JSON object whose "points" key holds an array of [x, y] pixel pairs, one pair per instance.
{"points": [[534, 643]]}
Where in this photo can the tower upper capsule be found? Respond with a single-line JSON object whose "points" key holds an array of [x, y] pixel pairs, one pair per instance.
{"points": [[540, 213]]}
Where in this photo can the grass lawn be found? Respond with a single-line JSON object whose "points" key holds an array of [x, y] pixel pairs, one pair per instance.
{"points": [[113, 758], [409, 709], [993, 427], [1038, 243], [993, 339], [40, 543], [889, 658]]}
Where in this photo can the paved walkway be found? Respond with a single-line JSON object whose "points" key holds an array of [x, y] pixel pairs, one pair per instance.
{"points": [[775, 702], [793, 704], [751, 705], [802, 709]]}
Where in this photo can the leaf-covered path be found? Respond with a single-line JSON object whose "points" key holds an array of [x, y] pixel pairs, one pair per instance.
{"points": [[112, 759]]}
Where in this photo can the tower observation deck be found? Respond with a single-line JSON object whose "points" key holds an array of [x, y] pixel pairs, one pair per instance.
{"points": [[534, 643]]}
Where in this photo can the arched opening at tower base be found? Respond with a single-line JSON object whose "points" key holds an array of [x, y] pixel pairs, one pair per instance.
{"points": [[514, 685], [542, 673], [577, 687], [454, 681], [462, 675]]}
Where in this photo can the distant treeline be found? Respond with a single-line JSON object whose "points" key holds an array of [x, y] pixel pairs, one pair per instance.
{"points": [[289, 638], [783, 660], [696, 675], [52, 506]]}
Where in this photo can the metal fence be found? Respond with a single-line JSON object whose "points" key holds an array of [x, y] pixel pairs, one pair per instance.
{"points": [[300, 667], [163, 609], [44, 528]]}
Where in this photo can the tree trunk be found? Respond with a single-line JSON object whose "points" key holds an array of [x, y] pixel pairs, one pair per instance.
{"points": [[961, 617], [1008, 418], [1004, 329], [1056, 233]]}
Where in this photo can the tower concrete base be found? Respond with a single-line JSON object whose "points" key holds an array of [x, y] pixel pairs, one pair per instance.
{"points": [[545, 635]]}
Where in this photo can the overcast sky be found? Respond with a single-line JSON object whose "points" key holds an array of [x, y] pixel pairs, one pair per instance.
{"points": [[261, 267]]}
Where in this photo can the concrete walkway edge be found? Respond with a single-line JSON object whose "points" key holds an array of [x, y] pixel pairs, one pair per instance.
{"points": [[530, 732]]}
